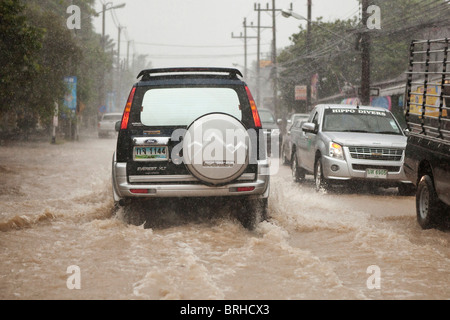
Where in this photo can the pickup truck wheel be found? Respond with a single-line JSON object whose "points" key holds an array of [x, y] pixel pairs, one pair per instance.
{"points": [[284, 158], [428, 206], [298, 174], [321, 182]]}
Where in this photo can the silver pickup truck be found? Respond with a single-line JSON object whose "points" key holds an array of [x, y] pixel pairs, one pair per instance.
{"points": [[345, 143]]}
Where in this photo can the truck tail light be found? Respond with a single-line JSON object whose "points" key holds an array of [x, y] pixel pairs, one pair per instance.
{"points": [[255, 113], [126, 113]]}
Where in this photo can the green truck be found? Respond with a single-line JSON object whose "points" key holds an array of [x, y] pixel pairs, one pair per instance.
{"points": [[427, 154]]}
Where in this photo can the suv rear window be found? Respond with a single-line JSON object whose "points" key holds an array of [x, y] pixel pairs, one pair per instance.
{"points": [[181, 106]]}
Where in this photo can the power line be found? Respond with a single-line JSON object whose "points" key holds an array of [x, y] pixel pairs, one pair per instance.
{"points": [[191, 46]]}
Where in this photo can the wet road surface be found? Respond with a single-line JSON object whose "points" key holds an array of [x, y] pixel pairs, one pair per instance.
{"points": [[56, 211]]}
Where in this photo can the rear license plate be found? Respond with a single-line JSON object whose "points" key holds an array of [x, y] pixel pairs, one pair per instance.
{"points": [[150, 154], [377, 173]]}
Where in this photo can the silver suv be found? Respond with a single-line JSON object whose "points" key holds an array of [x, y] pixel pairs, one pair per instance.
{"points": [[341, 143], [192, 132]]}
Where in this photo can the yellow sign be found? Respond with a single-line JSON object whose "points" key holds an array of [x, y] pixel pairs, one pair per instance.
{"points": [[432, 101], [265, 63]]}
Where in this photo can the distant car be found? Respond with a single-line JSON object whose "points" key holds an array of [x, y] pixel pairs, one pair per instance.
{"points": [[192, 133], [343, 143], [107, 123], [296, 119], [271, 129]]}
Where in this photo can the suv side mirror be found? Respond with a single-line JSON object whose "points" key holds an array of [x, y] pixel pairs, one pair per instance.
{"points": [[117, 126], [309, 127]]}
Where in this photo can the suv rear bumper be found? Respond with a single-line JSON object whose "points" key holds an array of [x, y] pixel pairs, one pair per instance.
{"points": [[122, 187]]}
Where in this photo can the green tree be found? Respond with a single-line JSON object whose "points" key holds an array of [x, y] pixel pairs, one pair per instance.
{"points": [[80, 51], [20, 43], [38, 51], [331, 55], [335, 54]]}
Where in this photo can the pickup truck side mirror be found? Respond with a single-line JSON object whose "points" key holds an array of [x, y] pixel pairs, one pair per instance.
{"points": [[309, 127], [117, 126]]}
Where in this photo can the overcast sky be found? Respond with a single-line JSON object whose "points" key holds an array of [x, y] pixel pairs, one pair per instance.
{"points": [[198, 32]]}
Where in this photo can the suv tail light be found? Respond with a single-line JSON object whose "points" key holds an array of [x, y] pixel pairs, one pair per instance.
{"points": [[126, 113], [255, 113]]}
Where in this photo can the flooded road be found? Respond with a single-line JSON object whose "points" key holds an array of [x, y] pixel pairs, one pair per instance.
{"points": [[56, 212]]}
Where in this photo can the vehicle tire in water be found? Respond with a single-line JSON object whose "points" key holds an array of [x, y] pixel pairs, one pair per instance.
{"points": [[320, 181], [428, 206], [250, 212], [284, 159], [298, 174]]}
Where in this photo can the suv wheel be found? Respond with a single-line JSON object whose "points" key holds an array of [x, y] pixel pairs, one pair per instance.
{"points": [[204, 136], [428, 205], [298, 174], [320, 181], [252, 211]]}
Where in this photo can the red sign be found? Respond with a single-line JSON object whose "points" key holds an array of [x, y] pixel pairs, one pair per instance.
{"points": [[300, 93]]}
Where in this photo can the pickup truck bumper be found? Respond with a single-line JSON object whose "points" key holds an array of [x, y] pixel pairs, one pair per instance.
{"points": [[358, 170]]}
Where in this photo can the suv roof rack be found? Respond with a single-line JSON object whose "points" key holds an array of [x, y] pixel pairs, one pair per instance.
{"points": [[233, 73]]}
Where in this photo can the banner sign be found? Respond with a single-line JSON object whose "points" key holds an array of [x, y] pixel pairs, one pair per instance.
{"points": [[300, 93], [70, 99]]}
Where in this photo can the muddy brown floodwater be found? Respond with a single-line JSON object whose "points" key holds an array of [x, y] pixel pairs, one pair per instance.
{"points": [[56, 211]]}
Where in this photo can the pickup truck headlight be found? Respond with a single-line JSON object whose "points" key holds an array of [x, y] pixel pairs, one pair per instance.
{"points": [[336, 151]]}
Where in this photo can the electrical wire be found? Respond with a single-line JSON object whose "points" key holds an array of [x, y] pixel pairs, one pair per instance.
{"points": [[328, 47]]}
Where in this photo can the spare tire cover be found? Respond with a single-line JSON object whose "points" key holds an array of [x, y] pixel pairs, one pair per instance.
{"points": [[216, 148]]}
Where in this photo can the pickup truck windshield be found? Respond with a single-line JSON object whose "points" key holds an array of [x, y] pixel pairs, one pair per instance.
{"points": [[359, 120]]}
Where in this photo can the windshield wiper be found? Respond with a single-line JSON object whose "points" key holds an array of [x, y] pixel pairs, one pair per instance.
{"points": [[387, 132], [363, 131]]}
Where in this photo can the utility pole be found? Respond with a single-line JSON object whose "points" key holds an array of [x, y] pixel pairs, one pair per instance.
{"points": [[103, 27], [245, 37], [308, 50], [258, 58], [128, 55], [273, 10], [365, 55], [258, 54], [118, 45], [274, 58], [119, 71]]}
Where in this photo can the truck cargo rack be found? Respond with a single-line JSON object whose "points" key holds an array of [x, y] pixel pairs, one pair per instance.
{"points": [[428, 89]]}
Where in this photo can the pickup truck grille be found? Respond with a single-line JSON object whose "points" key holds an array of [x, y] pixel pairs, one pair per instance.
{"points": [[383, 154]]}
